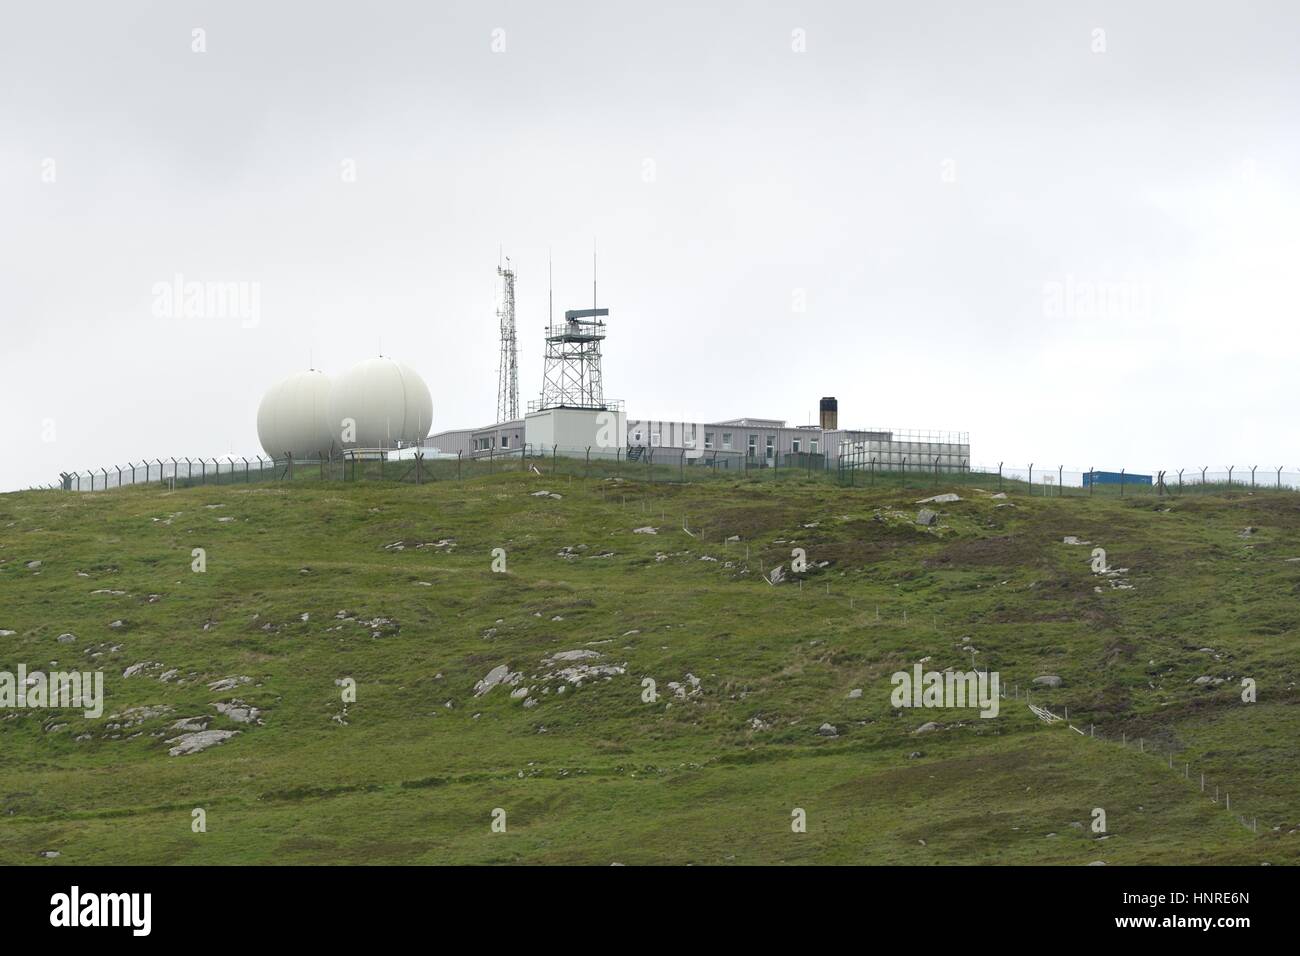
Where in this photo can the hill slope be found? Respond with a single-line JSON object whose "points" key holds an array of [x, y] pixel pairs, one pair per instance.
{"points": [[311, 583]]}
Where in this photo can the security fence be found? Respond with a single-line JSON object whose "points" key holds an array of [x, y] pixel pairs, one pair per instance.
{"points": [[420, 465], [1039, 480], [677, 465]]}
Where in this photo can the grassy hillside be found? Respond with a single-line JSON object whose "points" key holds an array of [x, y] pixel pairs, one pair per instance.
{"points": [[310, 583]]}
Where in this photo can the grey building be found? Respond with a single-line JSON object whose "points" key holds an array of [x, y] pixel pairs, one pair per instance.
{"points": [[499, 439], [750, 443]]}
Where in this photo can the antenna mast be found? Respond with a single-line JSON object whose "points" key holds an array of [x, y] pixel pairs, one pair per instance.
{"points": [[508, 366], [571, 376]]}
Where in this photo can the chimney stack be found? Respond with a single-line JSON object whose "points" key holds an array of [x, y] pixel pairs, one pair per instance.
{"points": [[830, 414]]}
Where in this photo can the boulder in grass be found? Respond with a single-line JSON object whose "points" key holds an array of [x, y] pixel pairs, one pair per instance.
{"points": [[1048, 680], [196, 742], [927, 518]]}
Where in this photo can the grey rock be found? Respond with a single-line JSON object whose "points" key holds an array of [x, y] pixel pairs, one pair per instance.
{"points": [[1048, 680], [194, 743], [239, 711], [927, 518], [229, 683], [498, 675], [582, 654]]}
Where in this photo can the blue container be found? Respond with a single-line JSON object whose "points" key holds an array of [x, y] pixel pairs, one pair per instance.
{"points": [[1114, 478]]}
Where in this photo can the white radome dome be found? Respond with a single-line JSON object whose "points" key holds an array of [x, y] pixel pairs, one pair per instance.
{"points": [[388, 401], [293, 417]]}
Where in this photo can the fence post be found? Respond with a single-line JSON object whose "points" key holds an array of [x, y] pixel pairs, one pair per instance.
{"points": [[1180, 481], [1230, 469], [999, 476], [936, 471], [681, 465], [587, 471], [1121, 482], [1252, 475], [1060, 478], [1279, 477], [459, 455], [1031, 479]]}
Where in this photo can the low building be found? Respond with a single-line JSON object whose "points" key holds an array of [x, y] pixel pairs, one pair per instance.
{"points": [[747, 442], [500, 439]]}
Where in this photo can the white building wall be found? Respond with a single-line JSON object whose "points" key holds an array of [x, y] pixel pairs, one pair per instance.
{"points": [[575, 430]]}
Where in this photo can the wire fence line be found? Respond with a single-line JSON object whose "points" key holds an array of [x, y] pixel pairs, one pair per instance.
{"points": [[674, 465], [1223, 797]]}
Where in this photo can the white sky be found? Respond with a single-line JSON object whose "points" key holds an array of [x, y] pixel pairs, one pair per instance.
{"points": [[1164, 168]]}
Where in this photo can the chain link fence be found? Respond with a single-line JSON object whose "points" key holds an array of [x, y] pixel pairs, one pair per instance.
{"points": [[676, 465]]}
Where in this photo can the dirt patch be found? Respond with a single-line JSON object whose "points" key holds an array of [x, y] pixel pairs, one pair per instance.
{"points": [[1003, 551]]}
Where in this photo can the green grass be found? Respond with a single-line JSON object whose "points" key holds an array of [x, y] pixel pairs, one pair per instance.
{"points": [[596, 775]]}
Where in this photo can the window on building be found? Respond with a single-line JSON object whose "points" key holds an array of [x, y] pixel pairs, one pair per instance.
{"points": [[708, 439], [794, 446], [636, 436], [505, 441], [812, 445], [771, 445], [726, 441], [654, 438], [753, 445]]}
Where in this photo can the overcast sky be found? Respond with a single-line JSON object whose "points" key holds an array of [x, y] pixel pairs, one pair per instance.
{"points": [[1067, 228]]}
